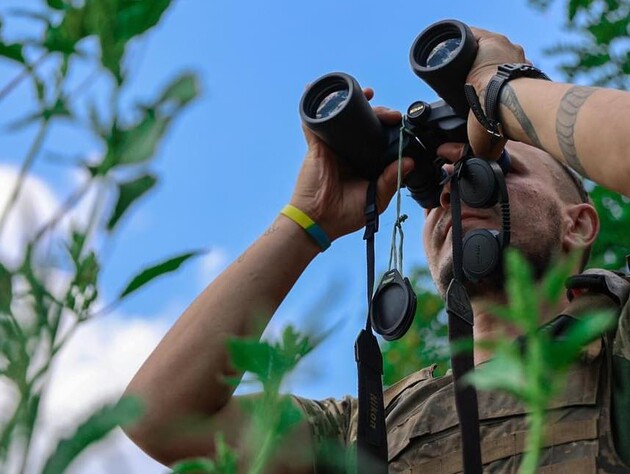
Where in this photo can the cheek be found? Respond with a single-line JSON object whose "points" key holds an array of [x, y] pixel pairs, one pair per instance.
{"points": [[534, 214], [427, 230]]}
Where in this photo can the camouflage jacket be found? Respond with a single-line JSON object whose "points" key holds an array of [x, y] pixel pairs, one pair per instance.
{"points": [[422, 424]]}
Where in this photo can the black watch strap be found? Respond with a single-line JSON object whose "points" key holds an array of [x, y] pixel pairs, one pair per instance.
{"points": [[505, 73]]}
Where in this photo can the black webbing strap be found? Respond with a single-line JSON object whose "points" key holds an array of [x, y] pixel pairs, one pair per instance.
{"points": [[371, 431], [460, 328]]}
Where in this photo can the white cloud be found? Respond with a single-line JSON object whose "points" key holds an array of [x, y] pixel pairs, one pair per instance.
{"points": [[36, 204], [93, 369], [98, 361], [211, 265]]}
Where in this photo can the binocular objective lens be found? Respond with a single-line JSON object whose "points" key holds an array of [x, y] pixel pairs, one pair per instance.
{"points": [[331, 104], [443, 52]]}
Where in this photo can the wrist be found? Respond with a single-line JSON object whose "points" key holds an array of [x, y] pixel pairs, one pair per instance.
{"points": [[486, 105], [311, 228], [295, 237]]}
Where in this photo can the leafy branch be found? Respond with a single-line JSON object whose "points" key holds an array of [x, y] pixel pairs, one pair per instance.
{"points": [[535, 370], [46, 287]]}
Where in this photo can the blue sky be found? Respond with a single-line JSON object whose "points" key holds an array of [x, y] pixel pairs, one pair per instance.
{"points": [[229, 162]]}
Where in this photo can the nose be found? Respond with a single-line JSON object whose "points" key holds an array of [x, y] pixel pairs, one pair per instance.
{"points": [[445, 195]]}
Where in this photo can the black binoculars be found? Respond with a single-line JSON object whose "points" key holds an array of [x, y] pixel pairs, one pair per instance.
{"points": [[336, 110]]}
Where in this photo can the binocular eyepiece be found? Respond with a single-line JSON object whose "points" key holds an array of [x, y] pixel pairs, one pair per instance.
{"points": [[336, 110]]}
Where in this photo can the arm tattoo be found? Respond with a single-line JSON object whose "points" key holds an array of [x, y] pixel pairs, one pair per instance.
{"points": [[273, 228], [509, 100], [565, 124]]}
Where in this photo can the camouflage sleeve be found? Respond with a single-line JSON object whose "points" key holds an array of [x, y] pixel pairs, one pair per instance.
{"points": [[330, 422]]}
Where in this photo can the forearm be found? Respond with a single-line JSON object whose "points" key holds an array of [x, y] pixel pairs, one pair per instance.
{"points": [[584, 127], [183, 376]]}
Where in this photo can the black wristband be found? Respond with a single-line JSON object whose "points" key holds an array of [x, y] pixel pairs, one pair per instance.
{"points": [[506, 72]]}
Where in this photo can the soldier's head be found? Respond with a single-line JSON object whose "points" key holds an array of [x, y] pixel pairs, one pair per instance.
{"points": [[550, 216]]}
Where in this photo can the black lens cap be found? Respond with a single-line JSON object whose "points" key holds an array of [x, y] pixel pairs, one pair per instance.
{"points": [[478, 183], [393, 306]]}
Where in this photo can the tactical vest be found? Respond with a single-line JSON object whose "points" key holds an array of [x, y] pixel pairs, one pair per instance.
{"points": [[422, 424]]}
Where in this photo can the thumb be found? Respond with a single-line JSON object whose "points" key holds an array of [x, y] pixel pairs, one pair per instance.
{"points": [[388, 182]]}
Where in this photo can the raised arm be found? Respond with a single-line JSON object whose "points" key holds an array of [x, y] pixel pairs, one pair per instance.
{"points": [[584, 127], [182, 378]]}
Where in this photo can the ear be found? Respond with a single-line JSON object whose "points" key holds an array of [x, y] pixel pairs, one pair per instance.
{"points": [[583, 226]]}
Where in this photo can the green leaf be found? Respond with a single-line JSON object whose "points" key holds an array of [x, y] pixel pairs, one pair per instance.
{"points": [[576, 5], [135, 17], [225, 459], [605, 31], [138, 143], [6, 289], [56, 4], [269, 362], [129, 192], [251, 355], [501, 373], [181, 90], [587, 329], [127, 20], [12, 51], [289, 416], [148, 274], [521, 291], [194, 466], [92, 430], [63, 37]]}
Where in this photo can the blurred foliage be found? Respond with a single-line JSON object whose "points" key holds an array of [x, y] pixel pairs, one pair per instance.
{"points": [[535, 370], [426, 343], [49, 290], [272, 415], [599, 53], [597, 49]]}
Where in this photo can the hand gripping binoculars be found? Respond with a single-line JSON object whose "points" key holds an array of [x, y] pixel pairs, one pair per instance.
{"points": [[336, 110]]}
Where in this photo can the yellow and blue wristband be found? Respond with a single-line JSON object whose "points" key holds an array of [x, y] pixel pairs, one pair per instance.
{"points": [[308, 224]]}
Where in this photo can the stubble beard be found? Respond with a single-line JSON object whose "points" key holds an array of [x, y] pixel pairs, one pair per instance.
{"points": [[538, 253]]}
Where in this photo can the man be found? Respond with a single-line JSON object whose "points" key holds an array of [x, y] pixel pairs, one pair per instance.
{"points": [[584, 128]]}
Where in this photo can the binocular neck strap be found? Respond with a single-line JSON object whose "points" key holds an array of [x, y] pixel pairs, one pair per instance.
{"points": [[371, 431], [460, 329]]}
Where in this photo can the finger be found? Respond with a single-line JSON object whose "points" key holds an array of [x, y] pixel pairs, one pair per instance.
{"points": [[388, 116], [451, 152], [388, 182], [311, 138], [369, 93], [480, 32]]}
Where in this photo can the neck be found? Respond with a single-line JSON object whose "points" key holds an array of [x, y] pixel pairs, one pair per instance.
{"points": [[488, 326]]}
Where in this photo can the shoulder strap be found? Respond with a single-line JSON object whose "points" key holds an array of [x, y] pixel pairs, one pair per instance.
{"points": [[615, 285]]}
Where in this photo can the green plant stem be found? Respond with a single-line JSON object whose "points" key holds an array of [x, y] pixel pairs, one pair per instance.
{"points": [[537, 401], [28, 70], [26, 165], [534, 444], [69, 203], [267, 445], [55, 345]]}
